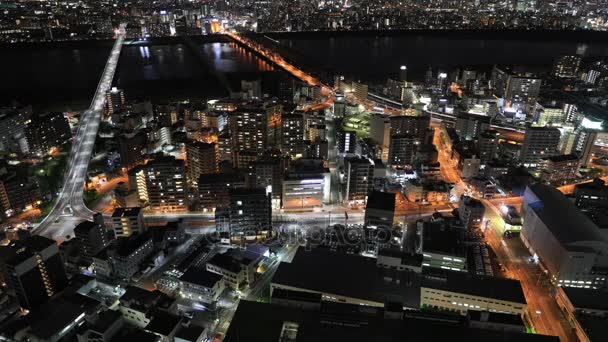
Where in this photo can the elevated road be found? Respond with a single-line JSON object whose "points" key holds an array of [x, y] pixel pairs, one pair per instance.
{"points": [[69, 206]]}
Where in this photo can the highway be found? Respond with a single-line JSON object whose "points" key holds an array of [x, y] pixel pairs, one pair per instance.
{"points": [[69, 206]]}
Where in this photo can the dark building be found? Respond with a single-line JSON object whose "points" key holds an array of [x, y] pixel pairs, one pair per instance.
{"points": [[292, 134], [250, 211], [33, 270], [131, 147], [201, 159], [380, 209], [45, 131], [91, 236], [346, 141], [214, 189], [16, 193], [417, 126]]}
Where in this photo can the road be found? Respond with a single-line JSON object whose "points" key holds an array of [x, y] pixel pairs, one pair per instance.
{"points": [[543, 311], [70, 202]]}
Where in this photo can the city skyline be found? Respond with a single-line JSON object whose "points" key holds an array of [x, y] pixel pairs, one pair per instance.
{"points": [[283, 171]]}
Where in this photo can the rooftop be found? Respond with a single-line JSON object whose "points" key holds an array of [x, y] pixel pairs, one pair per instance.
{"points": [[438, 237], [565, 221], [348, 275], [562, 158], [343, 322], [126, 212], [201, 277], [381, 200], [587, 298], [461, 282]]}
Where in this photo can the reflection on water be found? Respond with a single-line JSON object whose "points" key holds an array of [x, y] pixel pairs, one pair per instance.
{"points": [[229, 57]]}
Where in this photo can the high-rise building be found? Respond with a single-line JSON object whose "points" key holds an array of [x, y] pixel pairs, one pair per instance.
{"points": [[164, 184], [402, 150], [202, 159], [214, 189], [292, 134], [17, 193], [487, 145], [539, 142], [268, 173], [584, 140], [471, 211], [45, 131], [91, 236], [520, 90], [128, 221], [166, 115], [12, 129], [346, 141], [249, 129], [115, 99], [250, 211], [339, 106], [566, 66], [360, 91], [550, 114], [33, 270], [359, 174], [131, 147], [417, 126], [559, 169]]}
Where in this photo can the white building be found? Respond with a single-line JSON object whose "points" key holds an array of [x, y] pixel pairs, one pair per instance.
{"points": [[565, 241]]}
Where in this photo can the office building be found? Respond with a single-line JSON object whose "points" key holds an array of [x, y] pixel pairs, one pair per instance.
{"points": [[201, 159], [402, 150], [115, 100], [539, 142], [360, 90], [566, 66], [45, 131], [584, 141], [249, 212], [487, 145], [128, 252], [12, 129], [520, 90], [164, 185], [92, 237], [565, 241], [303, 191], [17, 193], [467, 162], [471, 211], [252, 128], [132, 148], [214, 189], [550, 114], [469, 126], [359, 174], [417, 126], [128, 221], [33, 270], [559, 169], [292, 135], [346, 141]]}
